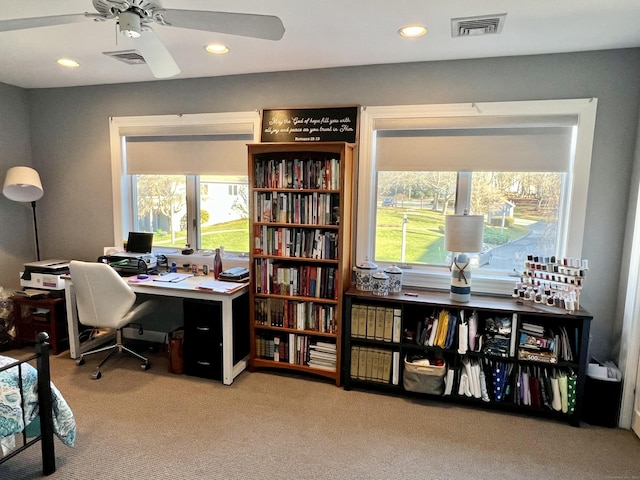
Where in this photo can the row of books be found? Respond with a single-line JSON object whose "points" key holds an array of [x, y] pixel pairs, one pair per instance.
{"points": [[280, 312], [274, 277], [375, 365], [308, 173], [295, 242], [296, 349], [311, 208], [375, 322]]}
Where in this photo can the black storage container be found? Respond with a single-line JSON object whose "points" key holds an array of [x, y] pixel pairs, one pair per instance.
{"points": [[601, 401]]}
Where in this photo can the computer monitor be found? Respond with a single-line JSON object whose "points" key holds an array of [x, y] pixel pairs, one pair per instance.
{"points": [[139, 242]]}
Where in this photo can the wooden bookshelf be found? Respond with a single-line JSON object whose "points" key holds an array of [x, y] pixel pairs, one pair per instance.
{"points": [[301, 203]]}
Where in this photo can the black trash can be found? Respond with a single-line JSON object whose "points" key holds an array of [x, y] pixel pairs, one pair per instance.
{"points": [[602, 396]]}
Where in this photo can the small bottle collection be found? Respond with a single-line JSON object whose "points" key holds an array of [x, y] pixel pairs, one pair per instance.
{"points": [[552, 281]]}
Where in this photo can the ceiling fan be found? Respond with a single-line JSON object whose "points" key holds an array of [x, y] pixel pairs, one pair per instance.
{"points": [[135, 16]]}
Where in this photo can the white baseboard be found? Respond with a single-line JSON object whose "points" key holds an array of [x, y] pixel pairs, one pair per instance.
{"points": [[147, 335]]}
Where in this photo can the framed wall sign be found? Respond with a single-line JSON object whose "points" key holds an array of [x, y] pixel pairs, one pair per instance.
{"points": [[329, 124]]}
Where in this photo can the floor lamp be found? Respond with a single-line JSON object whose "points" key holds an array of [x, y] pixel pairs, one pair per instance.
{"points": [[22, 184]]}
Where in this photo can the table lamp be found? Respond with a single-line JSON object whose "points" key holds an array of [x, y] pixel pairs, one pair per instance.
{"points": [[22, 184], [463, 234]]}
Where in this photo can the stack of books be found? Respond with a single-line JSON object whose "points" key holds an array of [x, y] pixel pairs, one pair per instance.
{"points": [[322, 355]]}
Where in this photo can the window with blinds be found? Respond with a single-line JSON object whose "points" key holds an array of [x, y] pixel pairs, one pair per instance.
{"points": [[185, 178], [521, 165]]}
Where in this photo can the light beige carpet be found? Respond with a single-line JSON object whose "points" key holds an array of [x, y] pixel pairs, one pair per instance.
{"points": [[134, 424]]}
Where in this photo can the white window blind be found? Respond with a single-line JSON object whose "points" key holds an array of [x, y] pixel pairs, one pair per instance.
{"points": [[187, 155], [494, 143]]}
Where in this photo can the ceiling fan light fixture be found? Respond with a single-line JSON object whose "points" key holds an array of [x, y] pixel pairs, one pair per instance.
{"points": [[412, 31], [216, 48], [130, 24], [67, 62]]}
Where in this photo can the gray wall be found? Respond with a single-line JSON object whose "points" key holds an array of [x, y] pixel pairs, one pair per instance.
{"points": [[17, 241], [70, 138]]}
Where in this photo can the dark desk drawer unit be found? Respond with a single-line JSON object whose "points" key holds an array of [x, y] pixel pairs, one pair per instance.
{"points": [[203, 339]]}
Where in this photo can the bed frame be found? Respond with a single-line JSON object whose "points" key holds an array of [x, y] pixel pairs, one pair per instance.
{"points": [[45, 406]]}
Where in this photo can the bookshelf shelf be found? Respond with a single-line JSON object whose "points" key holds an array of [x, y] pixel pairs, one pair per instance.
{"points": [[260, 363], [300, 217], [293, 190], [298, 259], [295, 331], [299, 298], [541, 347]]}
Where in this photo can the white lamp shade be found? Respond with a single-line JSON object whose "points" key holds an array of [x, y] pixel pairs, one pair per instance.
{"points": [[22, 184], [463, 233]]}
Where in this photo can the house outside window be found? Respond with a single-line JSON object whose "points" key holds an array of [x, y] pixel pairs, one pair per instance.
{"points": [[184, 178], [161, 205]]}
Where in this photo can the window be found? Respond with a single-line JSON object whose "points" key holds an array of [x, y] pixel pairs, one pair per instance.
{"points": [[183, 178], [522, 165], [160, 205], [520, 210]]}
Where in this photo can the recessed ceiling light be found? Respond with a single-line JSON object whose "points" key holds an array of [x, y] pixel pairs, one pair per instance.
{"points": [[67, 62], [216, 48], [412, 31]]}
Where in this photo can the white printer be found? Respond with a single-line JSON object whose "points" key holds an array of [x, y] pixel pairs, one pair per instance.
{"points": [[44, 274]]}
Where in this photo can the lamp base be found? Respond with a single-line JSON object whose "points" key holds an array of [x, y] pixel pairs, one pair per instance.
{"points": [[461, 279], [459, 297]]}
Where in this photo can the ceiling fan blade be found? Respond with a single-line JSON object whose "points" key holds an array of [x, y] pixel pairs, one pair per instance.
{"points": [[267, 27], [37, 22], [160, 61]]}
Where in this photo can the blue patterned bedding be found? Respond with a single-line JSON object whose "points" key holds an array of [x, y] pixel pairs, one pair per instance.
{"points": [[11, 419]]}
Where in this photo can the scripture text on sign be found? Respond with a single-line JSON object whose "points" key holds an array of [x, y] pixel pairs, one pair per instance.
{"points": [[337, 124]]}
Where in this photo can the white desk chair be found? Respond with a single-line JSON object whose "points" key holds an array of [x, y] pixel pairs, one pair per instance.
{"points": [[105, 300]]}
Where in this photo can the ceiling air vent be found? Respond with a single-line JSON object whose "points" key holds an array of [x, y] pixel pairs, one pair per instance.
{"points": [[482, 25], [132, 57]]}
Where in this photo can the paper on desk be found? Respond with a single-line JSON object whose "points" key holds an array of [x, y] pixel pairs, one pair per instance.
{"points": [[173, 277], [219, 286], [31, 293]]}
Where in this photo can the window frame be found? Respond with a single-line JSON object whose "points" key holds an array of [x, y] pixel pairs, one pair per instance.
{"points": [[121, 181], [570, 236]]}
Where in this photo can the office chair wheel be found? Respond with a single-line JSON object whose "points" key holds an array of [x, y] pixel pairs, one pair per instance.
{"points": [[96, 374], [145, 366], [80, 361]]}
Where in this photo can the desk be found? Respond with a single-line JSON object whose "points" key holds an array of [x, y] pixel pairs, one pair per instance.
{"points": [[187, 288]]}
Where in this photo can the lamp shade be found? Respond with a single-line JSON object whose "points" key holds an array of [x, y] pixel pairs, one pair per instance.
{"points": [[22, 184], [463, 233]]}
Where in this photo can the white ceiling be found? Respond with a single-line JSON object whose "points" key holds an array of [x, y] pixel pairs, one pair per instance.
{"points": [[319, 33]]}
